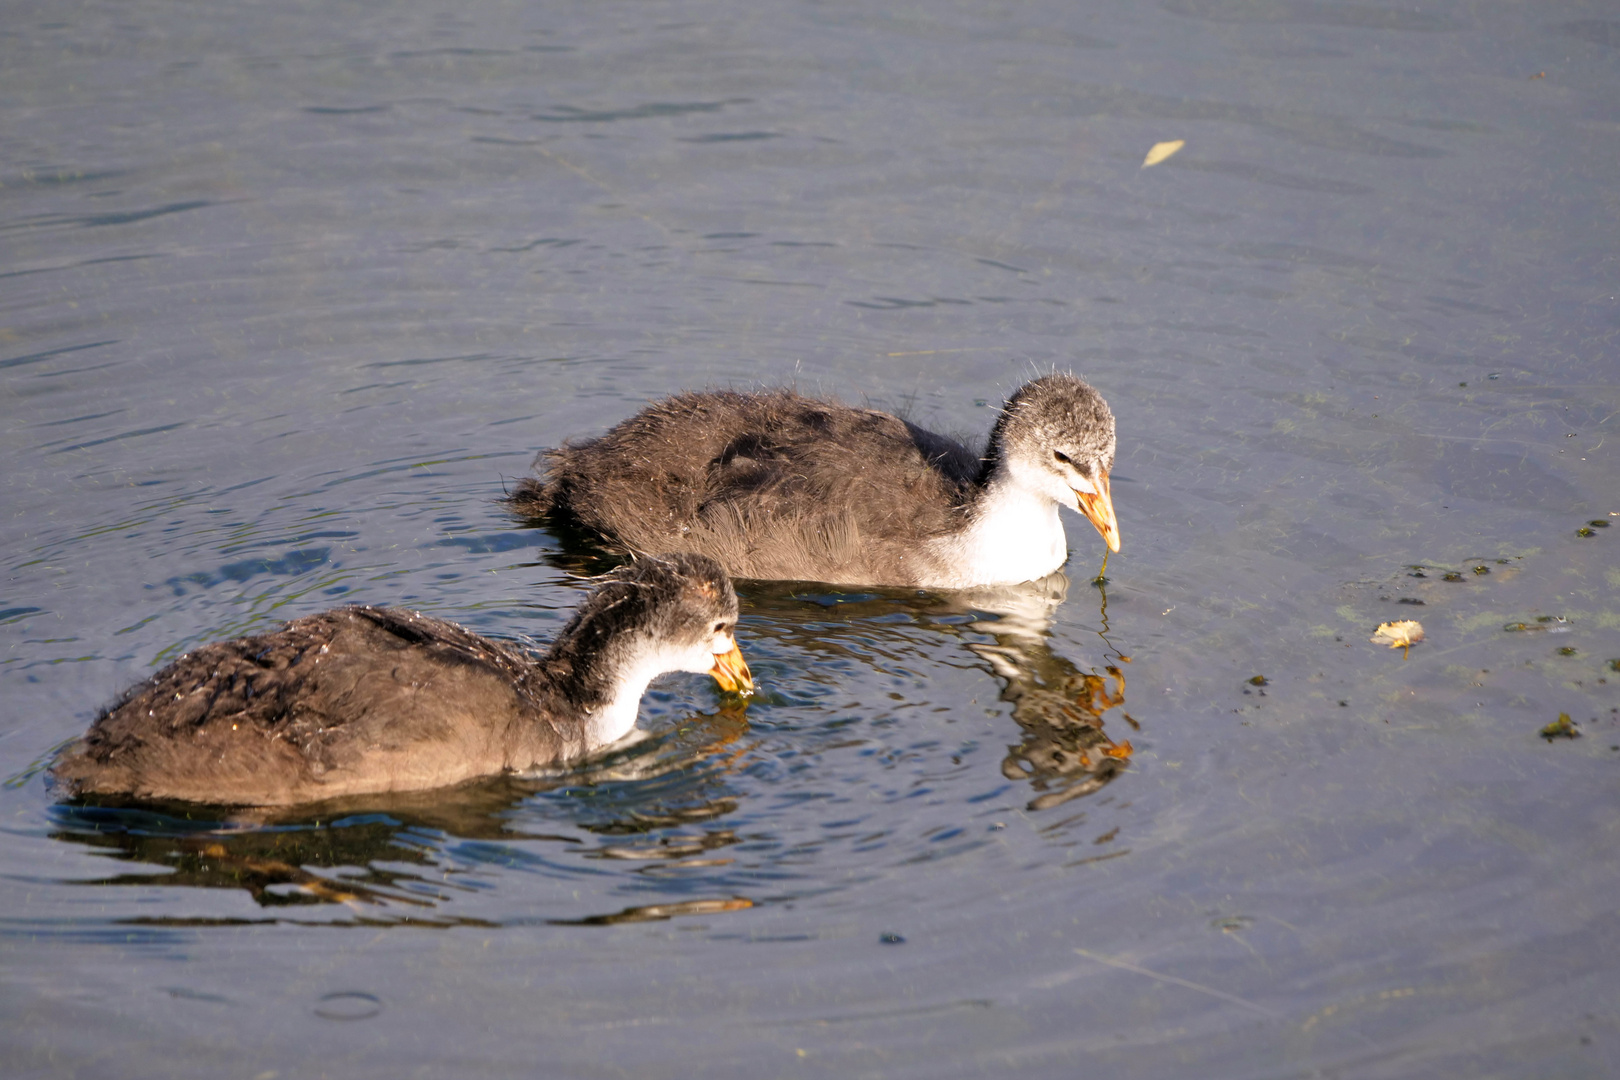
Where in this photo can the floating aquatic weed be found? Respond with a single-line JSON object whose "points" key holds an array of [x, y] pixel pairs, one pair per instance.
{"points": [[1258, 680], [1481, 570], [1562, 728], [1567, 650], [1452, 576]]}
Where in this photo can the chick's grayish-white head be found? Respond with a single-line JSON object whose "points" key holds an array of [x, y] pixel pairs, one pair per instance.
{"points": [[666, 613], [687, 611], [1056, 436]]}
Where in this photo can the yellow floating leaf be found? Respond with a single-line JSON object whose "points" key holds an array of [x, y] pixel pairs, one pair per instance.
{"points": [[1163, 150], [1399, 635]]}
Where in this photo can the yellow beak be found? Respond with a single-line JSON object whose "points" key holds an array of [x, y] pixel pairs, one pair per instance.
{"points": [[731, 671], [1099, 509]]}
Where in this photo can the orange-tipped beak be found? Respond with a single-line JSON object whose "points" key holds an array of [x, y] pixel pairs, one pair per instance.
{"points": [[731, 672], [1099, 509]]}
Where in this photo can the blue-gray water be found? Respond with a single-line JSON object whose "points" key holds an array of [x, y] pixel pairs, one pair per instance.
{"points": [[288, 292]]}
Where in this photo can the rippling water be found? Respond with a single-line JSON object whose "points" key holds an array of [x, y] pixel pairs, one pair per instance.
{"points": [[291, 294]]}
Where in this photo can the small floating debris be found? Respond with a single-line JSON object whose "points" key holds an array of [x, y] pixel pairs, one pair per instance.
{"points": [[1451, 576], [1399, 635], [1567, 650], [1162, 151], [1481, 570], [1258, 680], [1547, 624], [1562, 728]]}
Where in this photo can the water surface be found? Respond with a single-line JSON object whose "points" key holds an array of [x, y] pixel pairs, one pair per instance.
{"points": [[291, 294]]}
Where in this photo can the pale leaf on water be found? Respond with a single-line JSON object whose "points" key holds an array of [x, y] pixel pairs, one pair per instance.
{"points": [[1163, 150], [1399, 635]]}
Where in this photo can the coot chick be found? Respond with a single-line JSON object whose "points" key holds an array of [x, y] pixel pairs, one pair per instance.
{"points": [[365, 700], [774, 484]]}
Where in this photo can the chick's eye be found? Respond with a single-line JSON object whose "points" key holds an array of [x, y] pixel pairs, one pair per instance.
{"points": [[1061, 456], [719, 627]]}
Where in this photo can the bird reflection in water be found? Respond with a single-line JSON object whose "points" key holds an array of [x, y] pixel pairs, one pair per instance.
{"points": [[1065, 752], [399, 859]]}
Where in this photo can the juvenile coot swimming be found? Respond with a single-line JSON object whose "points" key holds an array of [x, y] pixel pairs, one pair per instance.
{"points": [[777, 485], [366, 700]]}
